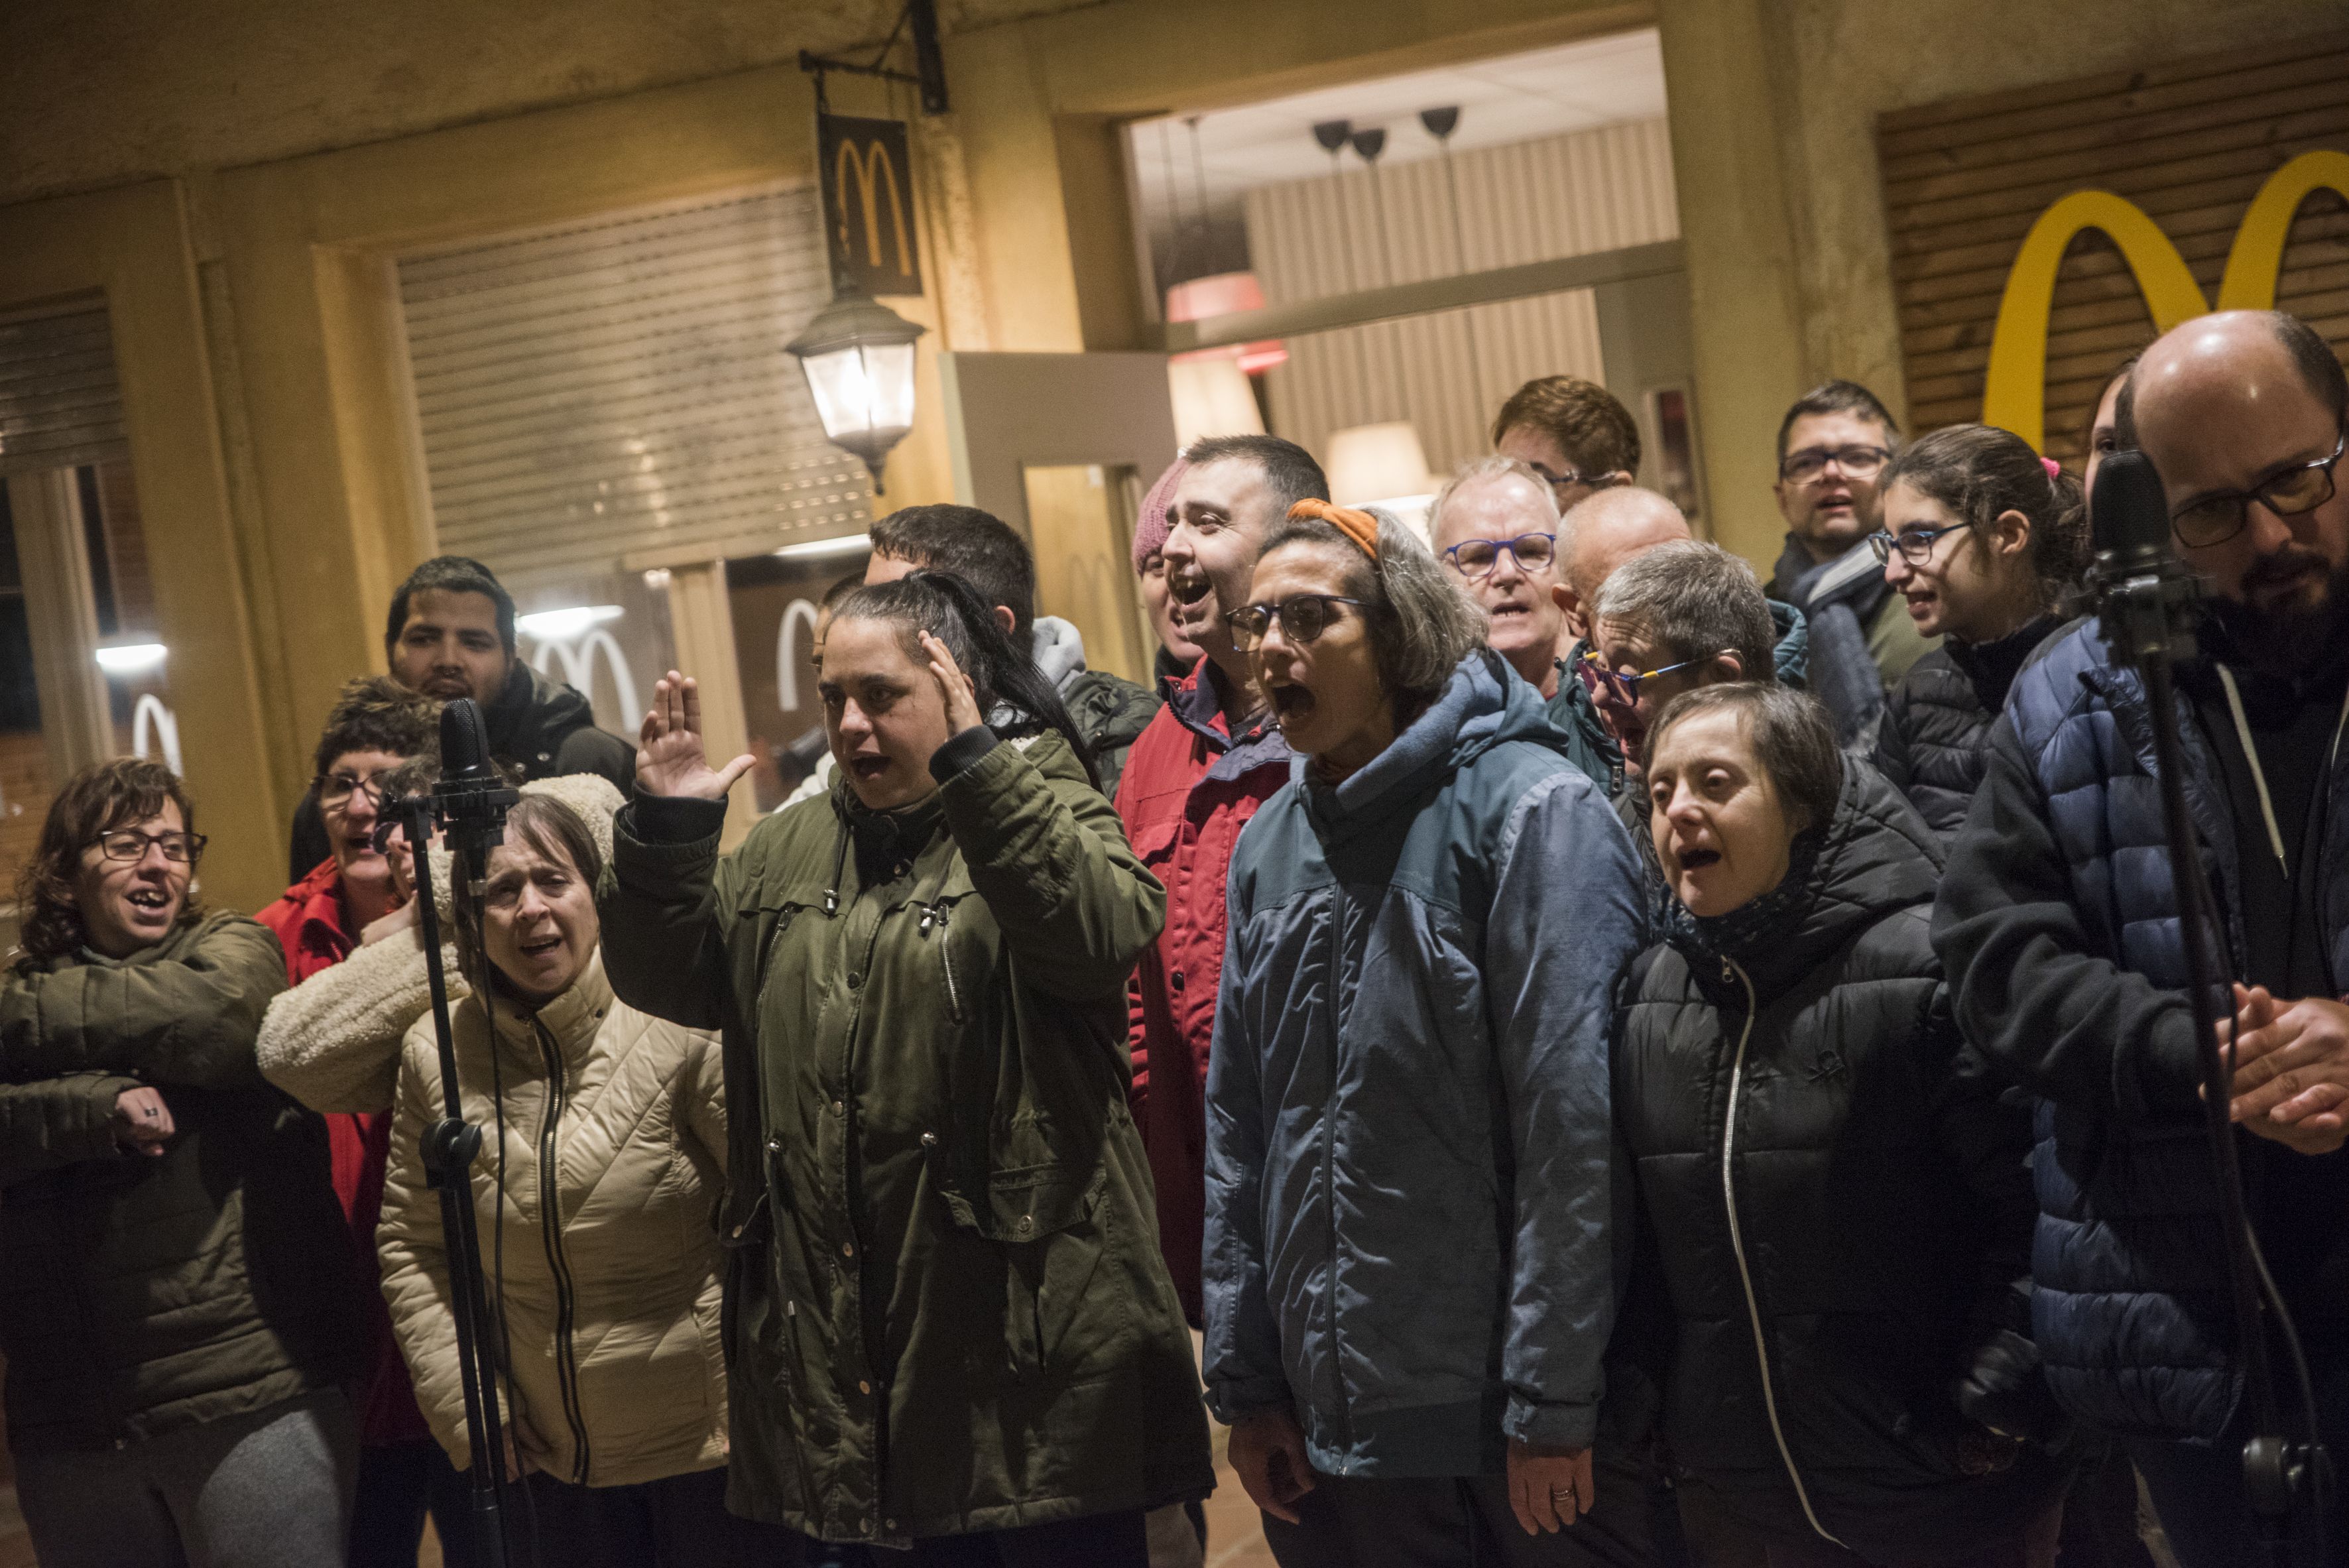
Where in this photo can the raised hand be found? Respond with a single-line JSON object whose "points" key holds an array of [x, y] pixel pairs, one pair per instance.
{"points": [[961, 696], [143, 1122], [670, 755]]}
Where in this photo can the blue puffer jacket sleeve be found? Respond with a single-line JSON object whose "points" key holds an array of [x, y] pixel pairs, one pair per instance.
{"points": [[1565, 919], [1241, 1358]]}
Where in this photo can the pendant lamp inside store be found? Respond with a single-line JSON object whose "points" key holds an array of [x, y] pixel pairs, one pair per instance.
{"points": [[858, 356]]}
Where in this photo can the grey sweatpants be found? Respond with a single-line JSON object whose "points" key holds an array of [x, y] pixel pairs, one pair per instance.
{"points": [[271, 1490]]}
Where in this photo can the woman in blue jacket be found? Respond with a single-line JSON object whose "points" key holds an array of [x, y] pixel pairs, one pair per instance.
{"points": [[1410, 1187]]}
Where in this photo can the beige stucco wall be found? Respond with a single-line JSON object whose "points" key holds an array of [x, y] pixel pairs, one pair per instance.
{"points": [[297, 148], [1773, 107]]}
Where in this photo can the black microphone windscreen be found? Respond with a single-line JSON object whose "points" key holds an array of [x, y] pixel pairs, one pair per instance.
{"points": [[2128, 513], [464, 741]]}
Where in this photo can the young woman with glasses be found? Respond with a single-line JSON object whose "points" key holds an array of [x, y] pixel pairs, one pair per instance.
{"points": [[1985, 541], [179, 1326], [1409, 1271]]}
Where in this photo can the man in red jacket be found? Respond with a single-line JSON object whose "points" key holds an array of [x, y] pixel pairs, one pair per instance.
{"points": [[377, 727], [1208, 759]]}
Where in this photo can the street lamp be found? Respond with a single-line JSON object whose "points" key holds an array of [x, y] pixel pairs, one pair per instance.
{"points": [[858, 354]]}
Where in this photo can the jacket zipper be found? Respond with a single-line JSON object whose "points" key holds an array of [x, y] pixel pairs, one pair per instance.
{"points": [[941, 914], [1737, 1247], [1329, 1165], [550, 1218]]}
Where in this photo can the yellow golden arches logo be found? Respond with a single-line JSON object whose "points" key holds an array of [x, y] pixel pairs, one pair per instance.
{"points": [[873, 167], [2014, 393]]}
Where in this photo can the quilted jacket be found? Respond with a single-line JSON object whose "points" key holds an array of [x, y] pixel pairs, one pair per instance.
{"points": [[596, 1191], [2058, 923], [1837, 1191]]}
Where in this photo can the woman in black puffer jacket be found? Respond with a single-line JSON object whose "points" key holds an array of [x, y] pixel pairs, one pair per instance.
{"points": [[1984, 539], [1832, 1183]]}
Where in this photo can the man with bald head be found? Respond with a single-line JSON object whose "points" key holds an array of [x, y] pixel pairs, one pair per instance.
{"points": [[1603, 533], [2056, 924]]}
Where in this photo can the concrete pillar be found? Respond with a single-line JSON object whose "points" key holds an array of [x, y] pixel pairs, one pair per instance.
{"points": [[1729, 164]]}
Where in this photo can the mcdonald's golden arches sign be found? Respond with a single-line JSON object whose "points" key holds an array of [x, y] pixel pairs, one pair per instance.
{"points": [[2041, 237], [868, 204]]}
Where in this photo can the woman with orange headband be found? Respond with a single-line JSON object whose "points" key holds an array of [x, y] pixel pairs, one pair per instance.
{"points": [[1409, 1259]]}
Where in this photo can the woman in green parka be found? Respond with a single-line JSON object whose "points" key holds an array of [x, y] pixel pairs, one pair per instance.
{"points": [[947, 1317]]}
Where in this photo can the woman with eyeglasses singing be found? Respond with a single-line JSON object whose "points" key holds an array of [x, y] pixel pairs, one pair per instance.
{"points": [[1409, 1269], [175, 1299], [356, 896], [1985, 540]]}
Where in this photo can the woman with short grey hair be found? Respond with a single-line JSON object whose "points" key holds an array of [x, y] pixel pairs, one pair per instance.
{"points": [[1423, 926]]}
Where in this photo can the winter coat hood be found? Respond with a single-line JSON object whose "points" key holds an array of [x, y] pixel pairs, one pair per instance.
{"points": [[1875, 857], [1484, 705]]}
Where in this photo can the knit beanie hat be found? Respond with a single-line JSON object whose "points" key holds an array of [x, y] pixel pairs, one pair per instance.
{"points": [[1152, 527]]}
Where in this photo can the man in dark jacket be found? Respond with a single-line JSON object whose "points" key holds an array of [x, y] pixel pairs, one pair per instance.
{"points": [[450, 633], [1832, 446], [988, 553], [2059, 928]]}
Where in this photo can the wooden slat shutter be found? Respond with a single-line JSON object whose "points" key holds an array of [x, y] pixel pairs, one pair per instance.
{"points": [[2190, 142]]}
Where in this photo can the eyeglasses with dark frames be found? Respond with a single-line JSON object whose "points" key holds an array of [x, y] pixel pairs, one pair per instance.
{"points": [[1596, 678], [2216, 518], [1557, 481], [129, 844], [1809, 466], [1303, 617], [1476, 559], [1915, 546], [335, 790]]}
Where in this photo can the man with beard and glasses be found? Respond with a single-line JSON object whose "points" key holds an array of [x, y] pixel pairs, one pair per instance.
{"points": [[2058, 926], [1209, 758]]}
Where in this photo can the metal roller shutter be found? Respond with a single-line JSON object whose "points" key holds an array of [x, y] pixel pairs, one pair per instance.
{"points": [[59, 403], [621, 387]]}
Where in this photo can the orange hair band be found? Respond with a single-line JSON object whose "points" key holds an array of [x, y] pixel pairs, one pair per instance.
{"points": [[1358, 526]]}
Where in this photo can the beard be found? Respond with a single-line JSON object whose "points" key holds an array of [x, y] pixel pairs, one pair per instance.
{"points": [[2293, 639]]}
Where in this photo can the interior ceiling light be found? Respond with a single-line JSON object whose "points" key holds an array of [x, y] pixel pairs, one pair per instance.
{"points": [[561, 625], [130, 658]]}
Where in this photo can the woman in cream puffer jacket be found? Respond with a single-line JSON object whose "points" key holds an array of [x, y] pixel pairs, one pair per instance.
{"points": [[596, 1191]]}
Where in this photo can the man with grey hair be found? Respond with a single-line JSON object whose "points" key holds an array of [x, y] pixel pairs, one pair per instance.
{"points": [[1495, 530], [1681, 616]]}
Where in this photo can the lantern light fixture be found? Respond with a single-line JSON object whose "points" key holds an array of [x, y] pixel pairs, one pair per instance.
{"points": [[858, 356]]}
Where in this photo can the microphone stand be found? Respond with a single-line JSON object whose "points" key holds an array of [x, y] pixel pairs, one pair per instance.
{"points": [[468, 804], [2146, 610]]}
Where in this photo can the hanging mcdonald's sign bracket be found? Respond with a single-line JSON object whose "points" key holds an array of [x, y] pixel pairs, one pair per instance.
{"points": [[868, 204], [2014, 393]]}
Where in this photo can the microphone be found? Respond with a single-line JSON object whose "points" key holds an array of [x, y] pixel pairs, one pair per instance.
{"points": [[2145, 597], [470, 799]]}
